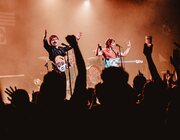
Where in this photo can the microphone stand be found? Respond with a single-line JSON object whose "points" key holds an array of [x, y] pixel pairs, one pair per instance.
{"points": [[120, 56], [70, 86]]}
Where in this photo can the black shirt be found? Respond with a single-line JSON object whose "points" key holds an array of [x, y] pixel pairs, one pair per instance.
{"points": [[53, 51]]}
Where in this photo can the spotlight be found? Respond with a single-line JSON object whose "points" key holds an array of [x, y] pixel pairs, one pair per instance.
{"points": [[86, 3]]}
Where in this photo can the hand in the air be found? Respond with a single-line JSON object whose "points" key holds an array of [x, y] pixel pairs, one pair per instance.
{"points": [[175, 59], [10, 91], [45, 34], [34, 96], [147, 49], [71, 39], [78, 36], [129, 44]]}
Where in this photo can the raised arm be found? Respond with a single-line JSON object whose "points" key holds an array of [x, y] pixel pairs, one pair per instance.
{"points": [[176, 63], [125, 53], [45, 35], [152, 68], [46, 45], [80, 84]]}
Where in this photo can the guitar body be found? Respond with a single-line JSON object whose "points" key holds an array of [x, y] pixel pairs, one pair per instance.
{"points": [[60, 63], [111, 62], [61, 66], [115, 62]]}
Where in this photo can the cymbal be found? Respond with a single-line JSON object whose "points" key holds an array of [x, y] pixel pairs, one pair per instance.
{"points": [[45, 58]]}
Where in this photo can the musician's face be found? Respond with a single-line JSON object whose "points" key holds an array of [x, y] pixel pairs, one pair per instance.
{"points": [[113, 43], [54, 41]]}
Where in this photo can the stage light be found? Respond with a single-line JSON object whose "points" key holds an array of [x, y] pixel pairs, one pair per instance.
{"points": [[86, 3]]}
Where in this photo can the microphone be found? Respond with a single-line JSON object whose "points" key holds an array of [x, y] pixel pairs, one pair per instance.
{"points": [[118, 45], [99, 46], [65, 45]]}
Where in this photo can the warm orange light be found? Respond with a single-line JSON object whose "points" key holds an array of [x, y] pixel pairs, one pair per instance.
{"points": [[86, 4]]}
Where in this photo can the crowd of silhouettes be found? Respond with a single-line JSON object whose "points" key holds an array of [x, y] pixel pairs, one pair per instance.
{"points": [[112, 109]]}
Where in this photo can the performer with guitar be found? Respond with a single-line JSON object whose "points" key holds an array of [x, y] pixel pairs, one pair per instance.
{"points": [[112, 56], [56, 53]]}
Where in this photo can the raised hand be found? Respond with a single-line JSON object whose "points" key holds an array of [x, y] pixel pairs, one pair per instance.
{"points": [[78, 36], [129, 44], [45, 34], [71, 39], [147, 49], [175, 59], [9, 91], [34, 96]]}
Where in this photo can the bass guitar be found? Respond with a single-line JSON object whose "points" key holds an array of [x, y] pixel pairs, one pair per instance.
{"points": [[60, 63], [115, 62]]}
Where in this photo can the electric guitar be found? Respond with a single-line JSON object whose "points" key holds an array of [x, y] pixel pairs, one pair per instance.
{"points": [[62, 66], [60, 63], [115, 62]]}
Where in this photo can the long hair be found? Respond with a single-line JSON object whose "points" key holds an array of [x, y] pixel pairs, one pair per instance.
{"points": [[109, 41]]}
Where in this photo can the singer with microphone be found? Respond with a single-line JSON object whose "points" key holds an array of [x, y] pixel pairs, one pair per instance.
{"points": [[57, 54], [112, 54]]}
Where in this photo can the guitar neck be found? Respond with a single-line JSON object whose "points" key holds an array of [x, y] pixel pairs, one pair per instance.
{"points": [[128, 61]]}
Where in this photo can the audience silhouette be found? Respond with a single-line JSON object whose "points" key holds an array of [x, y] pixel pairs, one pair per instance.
{"points": [[112, 109]]}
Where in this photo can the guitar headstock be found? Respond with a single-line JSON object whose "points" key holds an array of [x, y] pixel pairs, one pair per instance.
{"points": [[139, 61]]}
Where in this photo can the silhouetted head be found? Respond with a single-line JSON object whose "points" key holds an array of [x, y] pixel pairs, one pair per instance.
{"points": [[114, 75], [20, 97], [53, 89], [115, 91], [139, 82]]}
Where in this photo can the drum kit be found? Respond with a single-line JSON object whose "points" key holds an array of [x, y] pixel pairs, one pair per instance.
{"points": [[94, 68]]}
